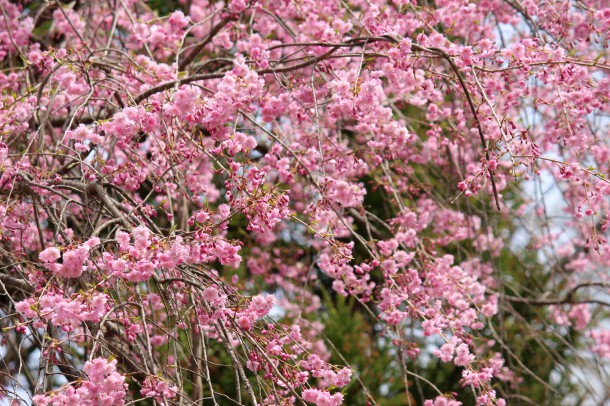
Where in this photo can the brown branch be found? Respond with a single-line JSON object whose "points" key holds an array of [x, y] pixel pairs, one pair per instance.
{"points": [[567, 299], [194, 78], [199, 47], [473, 110], [554, 301], [16, 283], [96, 189]]}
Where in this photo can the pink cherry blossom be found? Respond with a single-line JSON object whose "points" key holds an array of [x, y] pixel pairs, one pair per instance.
{"points": [[265, 200]]}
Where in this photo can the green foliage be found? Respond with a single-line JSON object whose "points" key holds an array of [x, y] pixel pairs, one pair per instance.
{"points": [[356, 339], [164, 7]]}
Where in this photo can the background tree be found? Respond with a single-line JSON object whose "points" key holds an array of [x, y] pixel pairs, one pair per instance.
{"points": [[304, 202]]}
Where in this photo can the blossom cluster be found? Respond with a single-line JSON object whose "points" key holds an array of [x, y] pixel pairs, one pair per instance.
{"points": [[204, 189]]}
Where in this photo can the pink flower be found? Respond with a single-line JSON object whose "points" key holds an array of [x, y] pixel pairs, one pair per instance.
{"points": [[245, 323], [344, 193], [73, 261], [322, 398], [50, 254], [105, 386], [442, 401], [141, 236], [210, 293], [178, 20], [601, 339], [123, 239], [158, 389], [237, 6], [343, 377], [463, 356], [25, 307]]}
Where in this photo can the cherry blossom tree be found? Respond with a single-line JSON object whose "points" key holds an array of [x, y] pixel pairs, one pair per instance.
{"points": [[314, 202]]}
